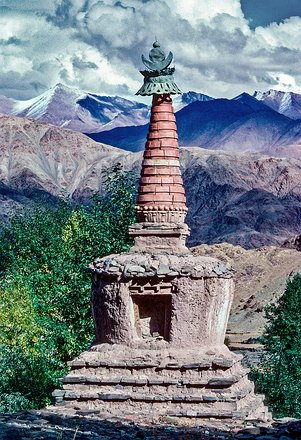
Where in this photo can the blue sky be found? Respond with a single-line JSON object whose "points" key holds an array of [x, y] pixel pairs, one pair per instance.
{"points": [[221, 47], [264, 12]]}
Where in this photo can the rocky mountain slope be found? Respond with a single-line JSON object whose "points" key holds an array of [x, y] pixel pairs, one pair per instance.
{"points": [[39, 160], [242, 198], [261, 276], [72, 108], [242, 124], [286, 103], [180, 101]]}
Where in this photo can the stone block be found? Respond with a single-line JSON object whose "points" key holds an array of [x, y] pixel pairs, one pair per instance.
{"points": [[93, 363], [155, 381], [72, 395], [172, 366], [145, 398], [223, 362], [198, 383], [128, 381], [197, 365], [58, 393], [77, 363], [141, 381], [222, 381], [210, 398], [74, 379], [113, 397], [106, 380], [191, 398], [155, 117], [179, 198], [170, 381], [191, 413], [114, 269], [171, 153], [163, 269], [158, 398], [159, 134], [154, 143], [178, 398], [169, 180]]}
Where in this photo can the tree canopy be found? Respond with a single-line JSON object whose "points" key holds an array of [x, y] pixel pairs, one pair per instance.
{"points": [[279, 375], [45, 317]]}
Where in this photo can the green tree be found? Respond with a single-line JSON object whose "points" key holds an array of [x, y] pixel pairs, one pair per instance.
{"points": [[28, 367], [279, 374], [45, 317]]}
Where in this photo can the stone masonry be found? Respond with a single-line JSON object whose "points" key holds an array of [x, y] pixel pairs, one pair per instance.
{"points": [[160, 312]]}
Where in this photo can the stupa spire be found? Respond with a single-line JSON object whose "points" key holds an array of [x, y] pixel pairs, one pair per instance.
{"points": [[161, 195], [160, 311]]}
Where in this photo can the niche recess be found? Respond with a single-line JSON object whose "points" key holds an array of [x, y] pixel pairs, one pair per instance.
{"points": [[152, 310]]}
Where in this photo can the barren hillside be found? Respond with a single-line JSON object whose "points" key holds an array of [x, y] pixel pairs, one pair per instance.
{"points": [[261, 276], [241, 198]]}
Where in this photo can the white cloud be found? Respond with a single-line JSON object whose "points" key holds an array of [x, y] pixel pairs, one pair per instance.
{"points": [[195, 10], [285, 82], [96, 45], [287, 33]]}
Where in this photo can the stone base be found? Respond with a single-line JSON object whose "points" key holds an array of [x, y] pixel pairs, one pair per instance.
{"points": [[147, 382], [156, 237]]}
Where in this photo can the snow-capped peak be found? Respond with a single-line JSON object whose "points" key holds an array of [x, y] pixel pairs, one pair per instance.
{"points": [[286, 103], [72, 108], [187, 98]]}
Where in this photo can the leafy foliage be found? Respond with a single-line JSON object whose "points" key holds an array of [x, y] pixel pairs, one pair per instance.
{"points": [[279, 375], [45, 316]]}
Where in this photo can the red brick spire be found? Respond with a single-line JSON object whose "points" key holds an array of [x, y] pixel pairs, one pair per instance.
{"points": [[161, 204], [161, 196]]}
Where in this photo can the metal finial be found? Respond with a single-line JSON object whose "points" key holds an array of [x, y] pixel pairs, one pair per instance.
{"points": [[158, 79]]}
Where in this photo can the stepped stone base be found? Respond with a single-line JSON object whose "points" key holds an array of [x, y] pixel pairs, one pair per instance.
{"points": [[152, 380]]}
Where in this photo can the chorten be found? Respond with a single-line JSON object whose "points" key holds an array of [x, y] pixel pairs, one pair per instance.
{"points": [[160, 311]]}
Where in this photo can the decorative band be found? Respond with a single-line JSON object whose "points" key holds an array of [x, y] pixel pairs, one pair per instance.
{"points": [[161, 208]]}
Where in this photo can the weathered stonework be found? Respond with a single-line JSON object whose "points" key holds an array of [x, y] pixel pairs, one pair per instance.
{"points": [[185, 384], [181, 384], [156, 237], [160, 322], [192, 296]]}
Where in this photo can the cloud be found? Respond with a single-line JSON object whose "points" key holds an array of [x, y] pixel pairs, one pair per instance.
{"points": [[81, 64], [195, 11], [96, 45]]}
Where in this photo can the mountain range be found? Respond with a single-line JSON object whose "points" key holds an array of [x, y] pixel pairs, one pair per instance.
{"points": [[243, 198], [86, 112], [286, 103], [267, 122], [80, 111], [242, 124]]}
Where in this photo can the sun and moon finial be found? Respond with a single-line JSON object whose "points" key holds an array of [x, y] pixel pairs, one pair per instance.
{"points": [[157, 60], [158, 79]]}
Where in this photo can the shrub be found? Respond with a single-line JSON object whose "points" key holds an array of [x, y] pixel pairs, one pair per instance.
{"points": [[279, 375]]}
